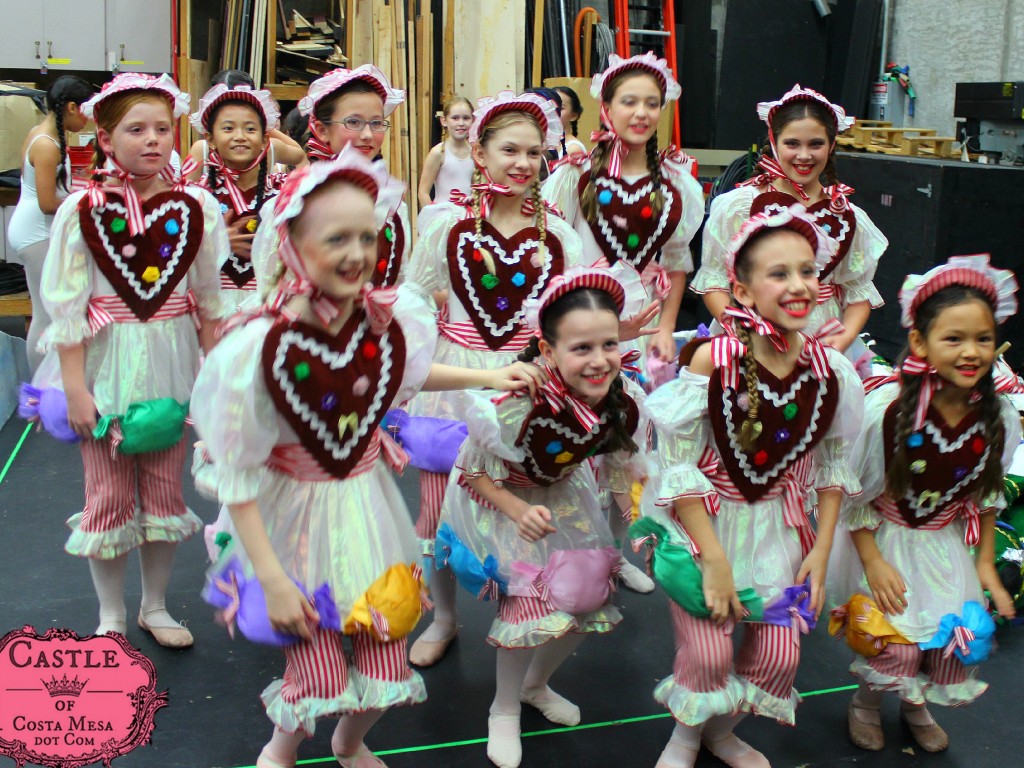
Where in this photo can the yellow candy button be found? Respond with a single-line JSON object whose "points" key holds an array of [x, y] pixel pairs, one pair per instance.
{"points": [[151, 274], [563, 458]]}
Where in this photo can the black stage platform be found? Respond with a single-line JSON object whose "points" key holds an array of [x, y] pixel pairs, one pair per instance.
{"points": [[215, 718]]}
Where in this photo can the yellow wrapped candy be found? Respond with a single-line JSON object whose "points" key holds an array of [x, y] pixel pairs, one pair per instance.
{"points": [[391, 606], [635, 492], [865, 626]]}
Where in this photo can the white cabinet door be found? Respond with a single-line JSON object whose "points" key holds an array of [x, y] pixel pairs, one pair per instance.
{"points": [[22, 43], [138, 35], [74, 33]]}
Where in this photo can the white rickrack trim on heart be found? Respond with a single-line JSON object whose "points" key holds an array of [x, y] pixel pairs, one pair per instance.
{"points": [[390, 222], [325, 432], [563, 431], [519, 317], [170, 264], [769, 394], [944, 445], [774, 208], [913, 501], [239, 265], [783, 463], [644, 191]]}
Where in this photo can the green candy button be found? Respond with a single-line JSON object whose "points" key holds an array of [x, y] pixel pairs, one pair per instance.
{"points": [[633, 240], [389, 233], [301, 371], [789, 412], [118, 225], [489, 281]]}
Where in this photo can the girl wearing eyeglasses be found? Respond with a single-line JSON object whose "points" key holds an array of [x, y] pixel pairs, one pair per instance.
{"points": [[350, 107]]}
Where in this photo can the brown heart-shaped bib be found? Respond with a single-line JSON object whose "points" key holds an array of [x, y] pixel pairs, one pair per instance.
{"points": [[146, 268], [390, 249], [334, 390], [841, 227], [945, 463], [555, 444], [522, 271], [626, 226], [795, 413]]}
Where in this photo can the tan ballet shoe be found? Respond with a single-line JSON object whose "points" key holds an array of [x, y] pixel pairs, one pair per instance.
{"points": [[426, 653], [266, 761], [929, 737], [863, 733], [168, 637], [363, 758]]}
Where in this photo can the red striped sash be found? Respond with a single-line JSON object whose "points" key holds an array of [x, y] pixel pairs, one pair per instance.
{"points": [[966, 508], [466, 335], [104, 310], [294, 460]]}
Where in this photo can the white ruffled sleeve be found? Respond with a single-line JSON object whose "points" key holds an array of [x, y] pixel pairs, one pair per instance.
{"points": [[619, 470], [728, 212], [493, 431], [414, 310], [234, 413], [204, 274], [264, 250], [856, 272], [572, 244], [428, 266], [1011, 442], [679, 412], [676, 255], [832, 466], [561, 189], [867, 461], [67, 281]]}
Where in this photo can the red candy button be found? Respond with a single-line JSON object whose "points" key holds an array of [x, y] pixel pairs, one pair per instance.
{"points": [[646, 212], [369, 349], [978, 446], [760, 457]]}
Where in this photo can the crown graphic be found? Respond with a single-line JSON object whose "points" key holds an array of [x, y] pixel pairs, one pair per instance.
{"points": [[64, 687]]}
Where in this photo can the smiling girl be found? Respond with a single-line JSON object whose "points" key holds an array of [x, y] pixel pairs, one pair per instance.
{"points": [[490, 253], [237, 123], [350, 107], [523, 522], [802, 130], [937, 439], [448, 166], [758, 423]]}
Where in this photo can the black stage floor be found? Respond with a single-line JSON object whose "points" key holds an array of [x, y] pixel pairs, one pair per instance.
{"points": [[215, 718]]}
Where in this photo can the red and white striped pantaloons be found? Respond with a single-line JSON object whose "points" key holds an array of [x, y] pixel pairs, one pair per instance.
{"points": [[898, 660], [317, 669], [768, 656], [432, 487], [111, 484]]}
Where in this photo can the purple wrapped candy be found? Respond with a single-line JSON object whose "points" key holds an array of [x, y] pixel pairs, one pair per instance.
{"points": [[792, 609], [432, 444], [49, 406]]}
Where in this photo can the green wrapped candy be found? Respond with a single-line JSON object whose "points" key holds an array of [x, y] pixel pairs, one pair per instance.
{"points": [[681, 577], [149, 426]]}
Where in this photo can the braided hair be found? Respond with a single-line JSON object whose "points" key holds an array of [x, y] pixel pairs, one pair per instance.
{"points": [[65, 90], [504, 120], [565, 92], [211, 173], [601, 155], [897, 475], [619, 438]]}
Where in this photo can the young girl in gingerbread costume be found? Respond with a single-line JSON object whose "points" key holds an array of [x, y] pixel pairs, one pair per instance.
{"points": [[523, 521], [497, 248], [938, 438], [289, 405], [132, 272], [238, 170], [760, 420], [802, 130]]}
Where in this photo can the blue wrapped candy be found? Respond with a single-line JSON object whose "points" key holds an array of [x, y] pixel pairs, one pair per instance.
{"points": [[477, 577], [969, 635]]}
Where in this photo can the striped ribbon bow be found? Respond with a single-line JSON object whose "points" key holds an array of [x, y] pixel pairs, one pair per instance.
{"points": [[813, 354], [229, 177], [557, 394], [930, 384], [630, 361], [180, 178], [837, 194], [317, 148], [230, 611], [579, 159], [379, 305], [959, 641], [98, 194], [752, 321], [772, 170], [798, 623], [608, 134]]}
